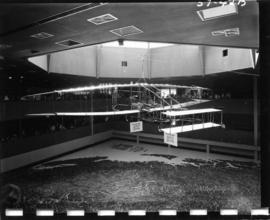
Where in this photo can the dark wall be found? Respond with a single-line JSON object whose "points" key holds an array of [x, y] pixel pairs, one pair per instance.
{"points": [[23, 145]]}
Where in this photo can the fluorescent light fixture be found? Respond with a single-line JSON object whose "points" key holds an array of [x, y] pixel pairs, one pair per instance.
{"points": [[198, 212], [228, 212], [232, 32], [227, 32], [14, 212], [217, 12], [42, 35], [44, 212], [69, 43], [136, 44], [106, 213], [102, 19], [167, 212], [75, 212], [263, 211], [126, 31], [218, 33], [136, 212]]}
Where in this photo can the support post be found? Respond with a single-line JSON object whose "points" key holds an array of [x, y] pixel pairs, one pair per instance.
{"points": [[207, 149], [255, 110], [221, 118], [256, 156], [91, 117], [137, 139]]}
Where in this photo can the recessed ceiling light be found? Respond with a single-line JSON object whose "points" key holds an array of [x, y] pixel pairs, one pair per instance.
{"points": [[125, 31], [217, 12], [42, 35], [10, 77], [102, 19], [232, 32], [218, 33], [69, 43], [227, 32]]}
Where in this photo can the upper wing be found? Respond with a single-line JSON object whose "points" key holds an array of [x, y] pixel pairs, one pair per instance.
{"points": [[125, 112]]}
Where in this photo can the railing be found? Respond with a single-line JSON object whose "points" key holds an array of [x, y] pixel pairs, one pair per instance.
{"points": [[205, 145]]}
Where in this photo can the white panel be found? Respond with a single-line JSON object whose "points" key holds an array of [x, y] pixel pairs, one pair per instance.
{"points": [[170, 138], [228, 212], [14, 212], [176, 61], [136, 212], [40, 61], [75, 212], [236, 59], [263, 211], [111, 58], [167, 212], [136, 126], [79, 61], [41, 212], [106, 213], [198, 212]]}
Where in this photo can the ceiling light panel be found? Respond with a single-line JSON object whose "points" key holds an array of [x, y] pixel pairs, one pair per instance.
{"points": [[69, 43], [126, 31], [102, 19], [232, 32], [218, 33], [217, 12], [42, 35], [227, 32]]}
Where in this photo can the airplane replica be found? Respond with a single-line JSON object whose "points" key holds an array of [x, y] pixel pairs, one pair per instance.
{"points": [[140, 102]]}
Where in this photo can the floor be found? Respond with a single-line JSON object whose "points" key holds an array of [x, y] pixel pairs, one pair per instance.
{"points": [[121, 175]]}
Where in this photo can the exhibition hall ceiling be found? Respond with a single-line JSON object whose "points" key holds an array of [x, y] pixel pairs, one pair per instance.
{"points": [[34, 29]]}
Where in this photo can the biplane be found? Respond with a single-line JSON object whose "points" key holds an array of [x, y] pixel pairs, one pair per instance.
{"points": [[147, 102]]}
